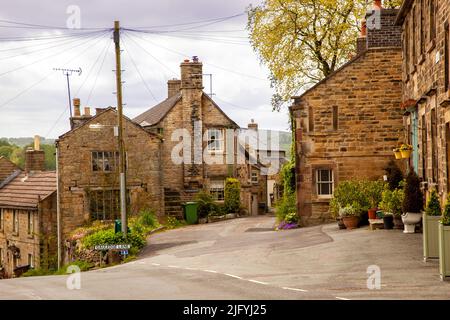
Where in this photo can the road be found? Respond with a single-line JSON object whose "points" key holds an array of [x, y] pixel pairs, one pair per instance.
{"points": [[245, 259]]}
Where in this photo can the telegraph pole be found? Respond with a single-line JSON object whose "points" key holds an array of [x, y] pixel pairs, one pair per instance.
{"points": [[122, 160]]}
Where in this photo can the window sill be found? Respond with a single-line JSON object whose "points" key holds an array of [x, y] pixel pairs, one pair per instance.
{"points": [[431, 45]]}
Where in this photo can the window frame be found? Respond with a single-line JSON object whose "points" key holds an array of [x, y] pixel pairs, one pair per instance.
{"points": [[210, 141], [319, 182], [30, 223], [219, 191], [95, 160], [252, 176]]}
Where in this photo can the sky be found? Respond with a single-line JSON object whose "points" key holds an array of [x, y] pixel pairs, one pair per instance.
{"points": [[33, 96]]}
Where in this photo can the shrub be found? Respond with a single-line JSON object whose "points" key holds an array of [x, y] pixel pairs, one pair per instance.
{"points": [[413, 200], [394, 175], [349, 211], [206, 204], [291, 217], [173, 223], [217, 210], [446, 214], [374, 192], [286, 205], [148, 218], [109, 237], [391, 201], [350, 193], [433, 206], [232, 195]]}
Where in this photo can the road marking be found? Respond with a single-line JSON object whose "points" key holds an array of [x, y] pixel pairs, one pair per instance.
{"points": [[141, 262], [156, 264], [233, 276], [259, 282], [192, 269], [175, 267], [294, 289], [339, 298], [210, 271]]}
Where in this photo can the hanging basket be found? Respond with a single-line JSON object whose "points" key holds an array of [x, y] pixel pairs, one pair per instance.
{"points": [[398, 155], [406, 154]]}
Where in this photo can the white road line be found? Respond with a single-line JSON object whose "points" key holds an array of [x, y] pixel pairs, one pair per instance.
{"points": [[141, 262], [192, 269], [210, 271], [175, 267], [156, 264], [294, 289], [233, 276], [339, 298], [258, 282]]}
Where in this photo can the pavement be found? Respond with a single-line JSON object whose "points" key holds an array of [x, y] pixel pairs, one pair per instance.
{"points": [[245, 259]]}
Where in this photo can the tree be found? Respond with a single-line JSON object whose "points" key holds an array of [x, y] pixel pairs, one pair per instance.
{"points": [[413, 200], [304, 41]]}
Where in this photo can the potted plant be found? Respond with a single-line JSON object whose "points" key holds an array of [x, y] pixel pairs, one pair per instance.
{"points": [[430, 219], [391, 204], [444, 242], [397, 153], [350, 216], [374, 192], [406, 150], [412, 202]]}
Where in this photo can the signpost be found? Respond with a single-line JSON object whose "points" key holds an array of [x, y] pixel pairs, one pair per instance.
{"points": [[122, 248]]}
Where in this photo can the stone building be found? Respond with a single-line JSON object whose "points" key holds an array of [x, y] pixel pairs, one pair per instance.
{"points": [[210, 150], [347, 124], [28, 228], [88, 168], [426, 89], [7, 169]]}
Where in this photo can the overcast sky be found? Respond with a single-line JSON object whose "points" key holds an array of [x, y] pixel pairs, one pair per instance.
{"points": [[240, 83]]}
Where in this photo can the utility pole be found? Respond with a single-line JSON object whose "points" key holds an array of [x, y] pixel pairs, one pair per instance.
{"points": [[122, 160], [68, 73]]}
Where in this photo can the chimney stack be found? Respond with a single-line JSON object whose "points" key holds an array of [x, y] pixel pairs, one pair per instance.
{"points": [[76, 107], [173, 87], [78, 119], [381, 31], [192, 74], [361, 42], [34, 157], [253, 125]]}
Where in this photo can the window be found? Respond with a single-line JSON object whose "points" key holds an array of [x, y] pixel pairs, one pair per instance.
{"points": [[105, 204], [30, 260], [447, 56], [432, 15], [105, 161], [421, 24], [324, 182], [406, 45], [2, 219], [15, 221], [215, 140], [335, 118], [217, 190], [30, 228], [310, 119], [413, 35], [254, 178], [434, 159]]}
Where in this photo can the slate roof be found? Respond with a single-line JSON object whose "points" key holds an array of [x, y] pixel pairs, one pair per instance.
{"points": [[27, 190], [158, 112], [7, 168]]}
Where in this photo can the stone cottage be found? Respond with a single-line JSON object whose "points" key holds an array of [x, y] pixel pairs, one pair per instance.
{"points": [[88, 168], [28, 230], [211, 151], [347, 124], [7, 169], [426, 89]]}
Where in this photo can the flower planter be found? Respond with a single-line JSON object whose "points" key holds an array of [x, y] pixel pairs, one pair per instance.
{"points": [[388, 221], [444, 251], [406, 154], [351, 222], [372, 214], [430, 237], [398, 155]]}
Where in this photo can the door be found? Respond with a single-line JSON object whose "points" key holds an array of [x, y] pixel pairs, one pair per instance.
{"points": [[254, 204], [415, 140]]}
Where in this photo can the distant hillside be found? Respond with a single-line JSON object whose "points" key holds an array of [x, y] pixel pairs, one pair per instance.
{"points": [[22, 142]]}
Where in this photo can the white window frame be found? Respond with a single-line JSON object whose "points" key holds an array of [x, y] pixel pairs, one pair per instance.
{"points": [[216, 186], [212, 144], [254, 176], [30, 223], [319, 182]]}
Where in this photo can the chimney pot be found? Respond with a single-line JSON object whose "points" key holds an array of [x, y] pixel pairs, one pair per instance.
{"points": [[377, 4], [252, 125], [34, 157], [37, 143], [87, 111], [76, 107], [195, 58], [364, 28], [186, 60]]}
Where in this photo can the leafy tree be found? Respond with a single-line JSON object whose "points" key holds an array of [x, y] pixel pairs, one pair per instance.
{"points": [[303, 41], [413, 201], [394, 175], [232, 201]]}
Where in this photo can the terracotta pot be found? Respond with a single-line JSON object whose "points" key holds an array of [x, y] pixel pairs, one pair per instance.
{"points": [[351, 222], [406, 154], [373, 213], [398, 155]]}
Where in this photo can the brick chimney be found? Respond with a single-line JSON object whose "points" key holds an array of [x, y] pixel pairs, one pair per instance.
{"points": [[361, 42], [173, 87], [252, 125], [191, 74], [381, 28], [77, 120], [34, 157]]}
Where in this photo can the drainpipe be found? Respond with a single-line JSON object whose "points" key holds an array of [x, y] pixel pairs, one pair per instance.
{"points": [[58, 208]]}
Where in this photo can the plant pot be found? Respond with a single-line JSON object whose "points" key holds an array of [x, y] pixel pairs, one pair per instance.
{"points": [[372, 214], [398, 155], [398, 223], [444, 251], [430, 237], [388, 221], [341, 224], [406, 154], [351, 222]]}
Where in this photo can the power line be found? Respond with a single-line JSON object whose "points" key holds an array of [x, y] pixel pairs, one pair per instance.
{"points": [[98, 73], [40, 26], [45, 58], [140, 74], [31, 38]]}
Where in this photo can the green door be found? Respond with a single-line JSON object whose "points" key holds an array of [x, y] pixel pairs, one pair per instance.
{"points": [[415, 140]]}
